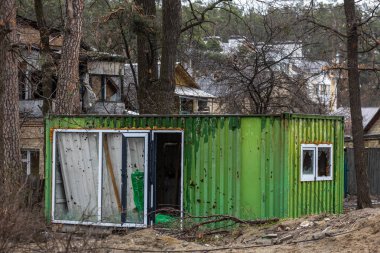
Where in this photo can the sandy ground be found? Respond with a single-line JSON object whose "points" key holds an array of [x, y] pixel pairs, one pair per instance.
{"points": [[352, 231], [355, 231]]}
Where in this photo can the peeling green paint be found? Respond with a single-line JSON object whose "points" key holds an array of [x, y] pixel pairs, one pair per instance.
{"points": [[245, 166]]}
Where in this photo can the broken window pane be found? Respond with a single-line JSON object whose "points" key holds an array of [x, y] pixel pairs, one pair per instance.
{"points": [[202, 106], [36, 85], [76, 177], [22, 81], [106, 88], [123, 188], [24, 155], [112, 89], [111, 186], [134, 188], [186, 105], [307, 162], [324, 161], [30, 162], [34, 162], [96, 84]]}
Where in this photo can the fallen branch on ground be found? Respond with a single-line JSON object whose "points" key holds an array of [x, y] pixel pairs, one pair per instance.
{"points": [[191, 227]]}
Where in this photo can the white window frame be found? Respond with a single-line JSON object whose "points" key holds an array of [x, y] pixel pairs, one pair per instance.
{"points": [[27, 159], [312, 147], [325, 178], [314, 176], [132, 133], [126, 133]]}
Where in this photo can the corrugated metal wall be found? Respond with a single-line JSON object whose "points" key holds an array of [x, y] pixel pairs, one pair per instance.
{"points": [[317, 196], [242, 166], [212, 165], [263, 182], [373, 162]]}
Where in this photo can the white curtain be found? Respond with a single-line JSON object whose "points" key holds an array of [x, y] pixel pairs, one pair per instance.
{"points": [[78, 159], [78, 177]]}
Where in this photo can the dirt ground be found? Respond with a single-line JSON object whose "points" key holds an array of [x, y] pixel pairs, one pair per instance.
{"points": [[355, 231], [352, 231]]}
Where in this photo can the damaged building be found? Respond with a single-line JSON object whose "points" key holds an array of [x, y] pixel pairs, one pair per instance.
{"points": [[190, 98], [120, 171], [106, 88]]}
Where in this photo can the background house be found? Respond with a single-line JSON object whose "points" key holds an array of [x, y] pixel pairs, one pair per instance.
{"points": [[101, 76], [191, 99], [277, 72], [100, 71], [371, 125], [106, 87]]}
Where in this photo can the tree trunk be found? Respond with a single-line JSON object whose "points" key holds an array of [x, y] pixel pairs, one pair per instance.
{"points": [[363, 197], [171, 29], [126, 46], [47, 66], [11, 172], [68, 97], [147, 57]]}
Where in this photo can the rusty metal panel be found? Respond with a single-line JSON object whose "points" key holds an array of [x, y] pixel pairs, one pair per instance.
{"points": [[315, 196]]}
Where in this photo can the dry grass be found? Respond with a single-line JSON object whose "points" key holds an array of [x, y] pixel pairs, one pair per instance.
{"points": [[18, 222], [23, 229]]}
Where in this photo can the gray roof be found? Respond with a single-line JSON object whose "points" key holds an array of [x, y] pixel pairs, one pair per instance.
{"points": [[367, 112], [185, 91]]}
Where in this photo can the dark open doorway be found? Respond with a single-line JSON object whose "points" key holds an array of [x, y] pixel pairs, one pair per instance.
{"points": [[168, 170]]}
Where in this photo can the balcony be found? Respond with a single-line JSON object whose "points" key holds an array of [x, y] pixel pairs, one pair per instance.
{"points": [[107, 107], [31, 108]]}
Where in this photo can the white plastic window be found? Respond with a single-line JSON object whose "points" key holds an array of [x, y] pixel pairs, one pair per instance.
{"points": [[30, 161], [89, 186], [324, 161], [308, 162], [316, 162]]}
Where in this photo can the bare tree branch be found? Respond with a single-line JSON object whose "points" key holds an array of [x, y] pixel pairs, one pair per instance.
{"points": [[198, 20]]}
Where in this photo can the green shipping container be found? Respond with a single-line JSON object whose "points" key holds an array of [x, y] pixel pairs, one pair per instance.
{"points": [[258, 166]]}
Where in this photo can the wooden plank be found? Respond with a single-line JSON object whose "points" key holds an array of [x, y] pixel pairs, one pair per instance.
{"points": [[110, 170]]}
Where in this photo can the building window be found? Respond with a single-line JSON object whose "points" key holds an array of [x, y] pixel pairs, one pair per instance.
{"points": [[22, 81], [186, 105], [106, 88], [202, 106], [324, 162], [30, 162], [308, 163], [29, 81], [316, 162]]}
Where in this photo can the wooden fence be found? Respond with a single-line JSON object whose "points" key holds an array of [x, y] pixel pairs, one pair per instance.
{"points": [[373, 156]]}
